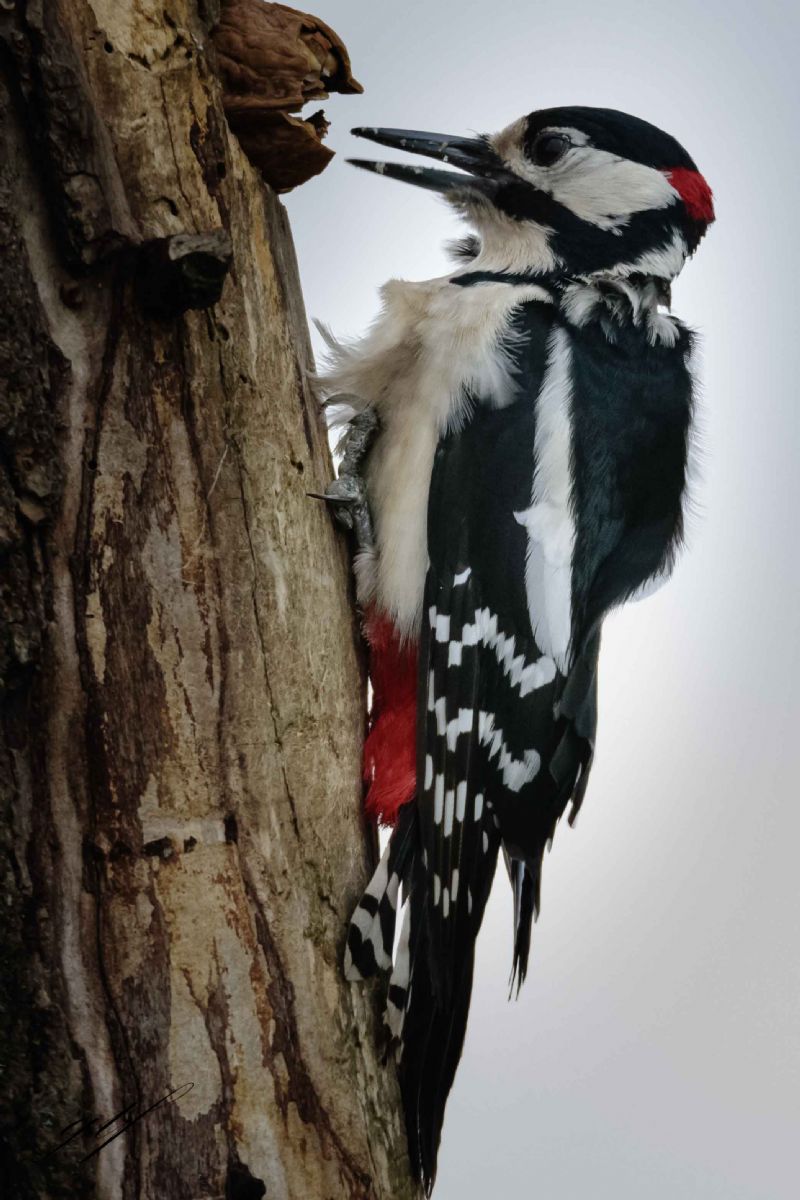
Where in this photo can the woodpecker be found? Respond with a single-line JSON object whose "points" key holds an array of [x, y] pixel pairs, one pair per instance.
{"points": [[515, 466]]}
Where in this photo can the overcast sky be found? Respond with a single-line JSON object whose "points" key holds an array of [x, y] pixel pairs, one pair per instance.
{"points": [[654, 1053]]}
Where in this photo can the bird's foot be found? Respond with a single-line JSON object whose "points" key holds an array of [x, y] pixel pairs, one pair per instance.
{"points": [[347, 495]]}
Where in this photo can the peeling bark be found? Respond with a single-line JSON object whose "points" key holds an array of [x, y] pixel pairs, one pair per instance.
{"points": [[180, 838]]}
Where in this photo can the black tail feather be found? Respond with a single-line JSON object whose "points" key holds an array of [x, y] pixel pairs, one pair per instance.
{"points": [[433, 1038], [526, 900], [433, 1034]]}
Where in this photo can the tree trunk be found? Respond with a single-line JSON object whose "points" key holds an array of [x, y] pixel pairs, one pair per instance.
{"points": [[183, 697]]}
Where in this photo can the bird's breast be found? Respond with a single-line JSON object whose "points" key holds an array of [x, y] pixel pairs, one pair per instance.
{"points": [[443, 347]]}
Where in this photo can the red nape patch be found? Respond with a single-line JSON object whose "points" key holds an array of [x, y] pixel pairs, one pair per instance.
{"points": [[694, 192], [390, 751]]}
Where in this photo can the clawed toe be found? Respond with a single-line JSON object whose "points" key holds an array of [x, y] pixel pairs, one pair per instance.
{"points": [[347, 497]]}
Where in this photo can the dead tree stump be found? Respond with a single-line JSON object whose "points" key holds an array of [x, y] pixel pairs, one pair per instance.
{"points": [[182, 698]]}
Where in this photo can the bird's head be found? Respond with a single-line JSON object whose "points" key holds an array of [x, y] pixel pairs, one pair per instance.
{"points": [[566, 191]]}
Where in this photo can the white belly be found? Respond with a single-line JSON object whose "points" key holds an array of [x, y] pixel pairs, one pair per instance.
{"points": [[433, 343]]}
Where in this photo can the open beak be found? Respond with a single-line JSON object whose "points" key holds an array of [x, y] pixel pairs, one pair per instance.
{"points": [[473, 155]]}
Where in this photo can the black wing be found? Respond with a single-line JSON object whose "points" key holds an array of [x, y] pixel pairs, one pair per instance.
{"points": [[503, 738], [503, 735]]}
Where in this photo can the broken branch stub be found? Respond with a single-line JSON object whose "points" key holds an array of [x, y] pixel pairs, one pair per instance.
{"points": [[272, 60], [182, 272]]}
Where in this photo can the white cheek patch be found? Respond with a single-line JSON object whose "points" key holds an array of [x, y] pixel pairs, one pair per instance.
{"points": [[597, 186], [605, 190]]}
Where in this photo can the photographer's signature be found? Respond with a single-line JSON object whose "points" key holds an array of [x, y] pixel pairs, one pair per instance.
{"points": [[93, 1130]]}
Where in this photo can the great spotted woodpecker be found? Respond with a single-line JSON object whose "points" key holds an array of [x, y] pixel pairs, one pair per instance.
{"points": [[515, 466]]}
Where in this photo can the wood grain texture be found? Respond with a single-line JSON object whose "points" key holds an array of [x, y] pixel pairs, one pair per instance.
{"points": [[182, 691]]}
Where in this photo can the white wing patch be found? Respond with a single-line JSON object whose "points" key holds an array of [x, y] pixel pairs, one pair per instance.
{"points": [[516, 772], [549, 521], [483, 628]]}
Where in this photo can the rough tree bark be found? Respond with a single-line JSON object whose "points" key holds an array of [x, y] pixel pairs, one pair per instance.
{"points": [[182, 701]]}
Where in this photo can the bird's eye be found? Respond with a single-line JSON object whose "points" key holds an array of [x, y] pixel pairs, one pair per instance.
{"points": [[549, 148]]}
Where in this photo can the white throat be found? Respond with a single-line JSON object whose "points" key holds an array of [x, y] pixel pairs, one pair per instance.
{"points": [[507, 245]]}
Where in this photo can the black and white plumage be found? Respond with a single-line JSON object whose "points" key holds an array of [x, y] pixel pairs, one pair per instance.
{"points": [[535, 414]]}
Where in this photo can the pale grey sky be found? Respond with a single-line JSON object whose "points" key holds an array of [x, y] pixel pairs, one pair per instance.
{"points": [[654, 1053]]}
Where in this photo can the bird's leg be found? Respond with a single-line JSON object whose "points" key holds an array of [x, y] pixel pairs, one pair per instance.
{"points": [[361, 433], [347, 495]]}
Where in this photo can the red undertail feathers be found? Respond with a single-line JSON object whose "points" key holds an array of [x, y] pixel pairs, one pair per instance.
{"points": [[390, 748]]}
